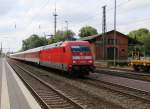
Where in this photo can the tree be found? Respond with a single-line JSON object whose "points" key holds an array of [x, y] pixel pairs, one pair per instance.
{"points": [[142, 35], [87, 31], [69, 35], [33, 41], [61, 36]]}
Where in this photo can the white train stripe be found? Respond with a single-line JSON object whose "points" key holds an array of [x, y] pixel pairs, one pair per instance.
{"points": [[75, 57], [36, 60], [81, 57]]}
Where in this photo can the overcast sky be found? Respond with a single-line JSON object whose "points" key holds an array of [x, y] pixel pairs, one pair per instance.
{"points": [[21, 18]]}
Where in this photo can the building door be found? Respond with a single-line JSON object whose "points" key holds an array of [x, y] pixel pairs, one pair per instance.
{"points": [[110, 53], [98, 54]]}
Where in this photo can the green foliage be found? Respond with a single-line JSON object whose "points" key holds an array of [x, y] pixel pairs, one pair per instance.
{"points": [[69, 35], [147, 45], [87, 31], [142, 35], [33, 41], [61, 36]]}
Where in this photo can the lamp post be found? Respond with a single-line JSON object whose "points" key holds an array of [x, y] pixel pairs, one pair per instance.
{"points": [[67, 29], [115, 34]]}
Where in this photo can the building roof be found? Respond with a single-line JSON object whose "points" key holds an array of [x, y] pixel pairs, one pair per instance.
{"points": [[133, 42], [93, 38], [90, 37]]}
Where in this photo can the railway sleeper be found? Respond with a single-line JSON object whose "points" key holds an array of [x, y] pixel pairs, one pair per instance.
{"points": [[53, 100], [59, 105], [69, 107], [57, 101], [45, 92], [47, 95]]}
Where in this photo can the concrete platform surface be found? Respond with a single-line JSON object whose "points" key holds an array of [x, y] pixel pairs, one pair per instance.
{"points": [[13, 93]]}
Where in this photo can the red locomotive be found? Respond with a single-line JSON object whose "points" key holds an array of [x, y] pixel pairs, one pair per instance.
{"points": [[74, 57]]}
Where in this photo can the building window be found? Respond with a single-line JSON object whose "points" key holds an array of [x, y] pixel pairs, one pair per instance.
{"points": [[123, 50], [99, 42], [111, 41]]}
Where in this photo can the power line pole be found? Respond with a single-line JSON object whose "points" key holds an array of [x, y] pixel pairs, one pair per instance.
{"points": [[55, 21], [1, 50], [115, 34], [67, 29], [67, 23], [104, 30], [39, 29]]}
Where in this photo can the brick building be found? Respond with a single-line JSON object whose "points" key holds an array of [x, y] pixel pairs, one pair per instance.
{"points": [[103, 51]]}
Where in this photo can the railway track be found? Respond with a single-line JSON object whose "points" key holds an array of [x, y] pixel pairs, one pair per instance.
{"points": [[125, 90], [132, 95], [83, 97], [48, 96], [127, 74]]}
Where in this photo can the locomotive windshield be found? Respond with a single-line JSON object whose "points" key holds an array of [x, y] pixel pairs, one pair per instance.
{"points": [[80, 49]]}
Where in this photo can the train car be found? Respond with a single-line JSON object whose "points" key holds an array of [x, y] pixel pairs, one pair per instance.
{"points": [[139, 63], [74, 57]]}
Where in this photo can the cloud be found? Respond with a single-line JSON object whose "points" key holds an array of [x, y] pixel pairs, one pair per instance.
{"points": [[138, 3], [29, 14], [6, 6], [135, 5]]}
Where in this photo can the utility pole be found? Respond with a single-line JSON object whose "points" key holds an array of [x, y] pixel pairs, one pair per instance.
{"points": [[66, 25], [67, 29], [104, 30], [55, 21], [1, 50], [15, 26], [115, 34], [39, 29]]}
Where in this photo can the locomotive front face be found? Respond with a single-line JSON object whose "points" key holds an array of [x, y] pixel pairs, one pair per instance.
{"points": [[82, 59], [81, 55]]}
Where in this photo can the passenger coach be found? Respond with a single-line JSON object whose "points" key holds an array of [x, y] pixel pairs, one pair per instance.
{"points": [[72, 56]]}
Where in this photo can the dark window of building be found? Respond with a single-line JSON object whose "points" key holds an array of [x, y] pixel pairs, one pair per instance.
{"points": [[99, 42], [110, 53], [111, 41], [123, 50]]}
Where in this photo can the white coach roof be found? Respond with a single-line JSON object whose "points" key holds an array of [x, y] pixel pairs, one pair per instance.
{"points": [[40, 48]]}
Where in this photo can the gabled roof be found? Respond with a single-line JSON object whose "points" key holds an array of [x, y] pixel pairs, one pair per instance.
{"points": [[132, 41], [93, 38], [90, 37], [100, 35]]}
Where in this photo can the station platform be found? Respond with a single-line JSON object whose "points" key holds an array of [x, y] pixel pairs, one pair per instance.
{"points": [[13, 93]]}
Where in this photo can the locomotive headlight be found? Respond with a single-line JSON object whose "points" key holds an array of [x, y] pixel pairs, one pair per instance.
{"points": [[75, 57], [74, 62], [90, 61]]}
